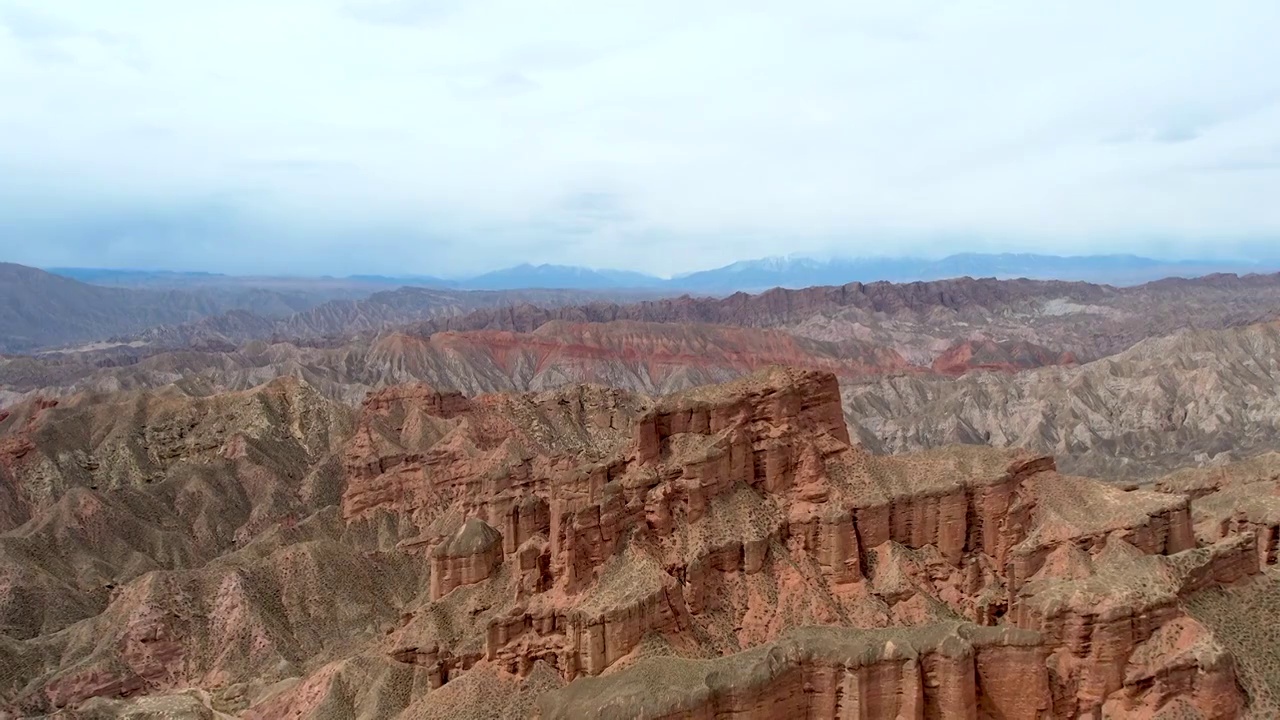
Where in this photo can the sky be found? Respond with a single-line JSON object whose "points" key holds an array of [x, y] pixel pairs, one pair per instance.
{"points": [[450, 137]]}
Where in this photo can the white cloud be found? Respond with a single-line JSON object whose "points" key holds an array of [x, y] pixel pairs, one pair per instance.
{"points": [[661, 135]]}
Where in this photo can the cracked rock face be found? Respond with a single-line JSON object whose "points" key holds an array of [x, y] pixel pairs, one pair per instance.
{"points": [[591, 552]]}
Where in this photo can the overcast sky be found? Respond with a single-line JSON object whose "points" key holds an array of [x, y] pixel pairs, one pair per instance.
{"points": [[443, 136]]}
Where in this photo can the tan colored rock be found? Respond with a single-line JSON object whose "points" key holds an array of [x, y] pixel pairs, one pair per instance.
{"points": [[943, 671], [467, 557]]}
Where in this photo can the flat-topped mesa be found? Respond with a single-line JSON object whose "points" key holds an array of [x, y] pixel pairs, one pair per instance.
{"points": [[960, 500], [1243, 497], [808, 399], [445, 404], [773, 431]]}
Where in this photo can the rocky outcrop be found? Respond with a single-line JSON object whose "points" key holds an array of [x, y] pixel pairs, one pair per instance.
{"points": [[467, 557], [949, 671], [725, 551], [1085, 515], [658, 518], [1179, 666], [1234, 499], [423, 397], [1097, 622]]}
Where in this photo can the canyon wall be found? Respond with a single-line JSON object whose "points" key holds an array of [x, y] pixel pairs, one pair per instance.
{"points": [[622, 535]]}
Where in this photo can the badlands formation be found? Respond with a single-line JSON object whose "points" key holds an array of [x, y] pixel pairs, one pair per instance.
{"points": [[721, 552], [1121, 384]]}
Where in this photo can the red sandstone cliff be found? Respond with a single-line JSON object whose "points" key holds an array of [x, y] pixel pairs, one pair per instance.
{"points": [[670, 518], [1009, 356], [722, 552]]}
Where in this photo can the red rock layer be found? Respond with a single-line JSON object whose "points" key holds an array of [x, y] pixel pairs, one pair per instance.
{"points": [[663, 349], [616, 541], [949, 672], [618, 503], [1110, 640], [1008, 356]]}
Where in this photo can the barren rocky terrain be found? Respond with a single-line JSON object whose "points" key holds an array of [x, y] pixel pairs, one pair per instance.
{"points": [[968, 499], [1204, 396], [1190, 398], [41, 311], [593, 552], [918, 319]]}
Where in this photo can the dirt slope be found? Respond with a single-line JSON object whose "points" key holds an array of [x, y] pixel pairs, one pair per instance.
{"points": [[1194, 397]]}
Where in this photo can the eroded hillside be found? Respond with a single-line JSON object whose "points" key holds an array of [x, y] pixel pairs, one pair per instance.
{"points": [[1192, 398], [595, 552]]}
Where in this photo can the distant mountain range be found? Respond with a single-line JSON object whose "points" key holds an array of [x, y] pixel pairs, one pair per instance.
{"points": [[41, 310], [797, 272], [745, 276]]}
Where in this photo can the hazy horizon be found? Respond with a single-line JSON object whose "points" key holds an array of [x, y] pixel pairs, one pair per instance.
{"points": [[1092, 266], [436, 137]]}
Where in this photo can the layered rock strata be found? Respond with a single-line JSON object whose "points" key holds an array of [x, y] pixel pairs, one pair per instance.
{"points": [[469, 556], [651, 519], [724, 552], [948, 671]]}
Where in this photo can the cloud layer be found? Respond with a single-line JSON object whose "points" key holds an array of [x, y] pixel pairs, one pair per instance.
{"points": [[447, 136]]}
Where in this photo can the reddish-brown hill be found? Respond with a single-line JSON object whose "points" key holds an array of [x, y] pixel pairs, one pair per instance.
{"points": [[591, 351], [590, 552], [780, 307], [1009, 356], [643, 356], [1165, 403]]}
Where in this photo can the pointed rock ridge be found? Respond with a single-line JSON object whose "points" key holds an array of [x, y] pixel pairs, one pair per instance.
{"points": [[467, 557], [474, 537]]}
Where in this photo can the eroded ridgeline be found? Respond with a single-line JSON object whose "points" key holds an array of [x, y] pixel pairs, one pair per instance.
{"points": [[595, 530]]}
